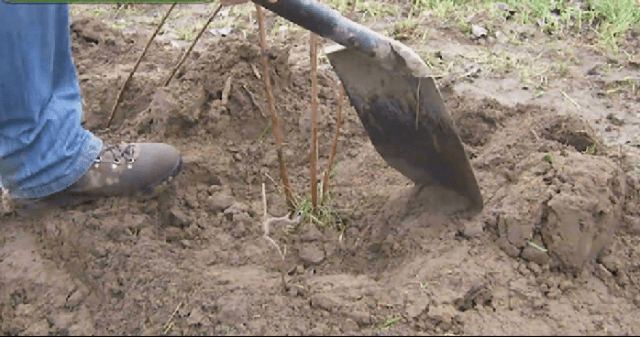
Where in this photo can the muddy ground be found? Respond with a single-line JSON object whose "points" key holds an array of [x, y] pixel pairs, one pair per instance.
{"points": [[555, 250]]}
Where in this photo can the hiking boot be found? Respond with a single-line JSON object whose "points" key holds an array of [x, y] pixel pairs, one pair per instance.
{"points": [[137, 169]]}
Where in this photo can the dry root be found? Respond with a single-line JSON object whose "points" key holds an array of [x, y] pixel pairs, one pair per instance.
{"points": [[266, 226]]}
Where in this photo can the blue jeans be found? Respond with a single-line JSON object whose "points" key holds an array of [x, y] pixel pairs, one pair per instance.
{"points": [[43, 147]]}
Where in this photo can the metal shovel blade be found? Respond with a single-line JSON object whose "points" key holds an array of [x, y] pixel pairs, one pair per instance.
{"points": [[426, 149], [397, 101]]}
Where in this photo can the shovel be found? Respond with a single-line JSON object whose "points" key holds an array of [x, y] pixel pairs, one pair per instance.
{"points": [[397, 101]]}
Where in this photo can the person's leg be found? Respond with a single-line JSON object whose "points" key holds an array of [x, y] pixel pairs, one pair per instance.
{"points": [[43, 148], [45, 154]]}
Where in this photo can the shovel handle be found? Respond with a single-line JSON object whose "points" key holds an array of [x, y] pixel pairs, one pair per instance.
{"points": [[328, 23]]}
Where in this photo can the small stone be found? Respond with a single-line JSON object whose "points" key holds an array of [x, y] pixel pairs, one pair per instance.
{"points": [[329, 249], [565, 285], [242, 218], [362, 318], [501, 37], [615, 120], [75, 299], [622, 278], [311, 254], [593, 71], [193, 231], [177, 218], [442, 313], [539, 304], [293, 291], [535, 255], [220, 201], [324, 302], [288, 153], [636, 301], [196, 316], [535, 268], [136, 221], [98, 251], [183, 312], [173, 234], [553, 293], [311, 233], [319, 330], [349, 325], [473, 229], [502, 6], [610, 263], [417, 308], [270, 158], [239, 229], [479, 31], [353, 232], [191, 199], [511, 250], [185, 243], [522, 268], [634, 224], [304, 122], [38, 328], [235, 208], [62, 320]]}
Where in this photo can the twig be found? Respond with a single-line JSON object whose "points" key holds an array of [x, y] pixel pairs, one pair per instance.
{"points": [[253, 100], [184, 56], [277, 133], [135, 67], [570, 99], [334, 145], [314, 122], [226, 90], [535, 134], [266, 226], [167, 326], [264, 206]]}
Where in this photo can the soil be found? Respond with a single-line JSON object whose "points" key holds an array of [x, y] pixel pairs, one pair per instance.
{"points": [[554, 251]]}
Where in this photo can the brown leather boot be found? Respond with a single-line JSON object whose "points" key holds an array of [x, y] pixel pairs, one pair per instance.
{"points": [[137, 169]]}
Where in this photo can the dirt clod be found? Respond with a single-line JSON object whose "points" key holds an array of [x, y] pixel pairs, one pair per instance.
{"points": [[311, 254], [219, 202]]}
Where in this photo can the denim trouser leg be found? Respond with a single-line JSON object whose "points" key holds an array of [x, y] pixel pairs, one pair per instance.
{"points": [[43, 147]]}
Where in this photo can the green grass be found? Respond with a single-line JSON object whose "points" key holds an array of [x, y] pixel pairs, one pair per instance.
{"points": [[325, 215], [389, 322], [187, 33], [608, 19]]}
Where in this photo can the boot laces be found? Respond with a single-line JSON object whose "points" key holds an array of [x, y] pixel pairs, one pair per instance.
{"points": [[118, 153]]}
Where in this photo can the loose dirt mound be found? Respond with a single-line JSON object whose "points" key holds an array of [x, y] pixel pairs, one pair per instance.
{"points": [[540, 258]]}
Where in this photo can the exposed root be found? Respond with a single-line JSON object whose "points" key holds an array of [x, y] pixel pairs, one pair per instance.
{"points": [[266, 226]]}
